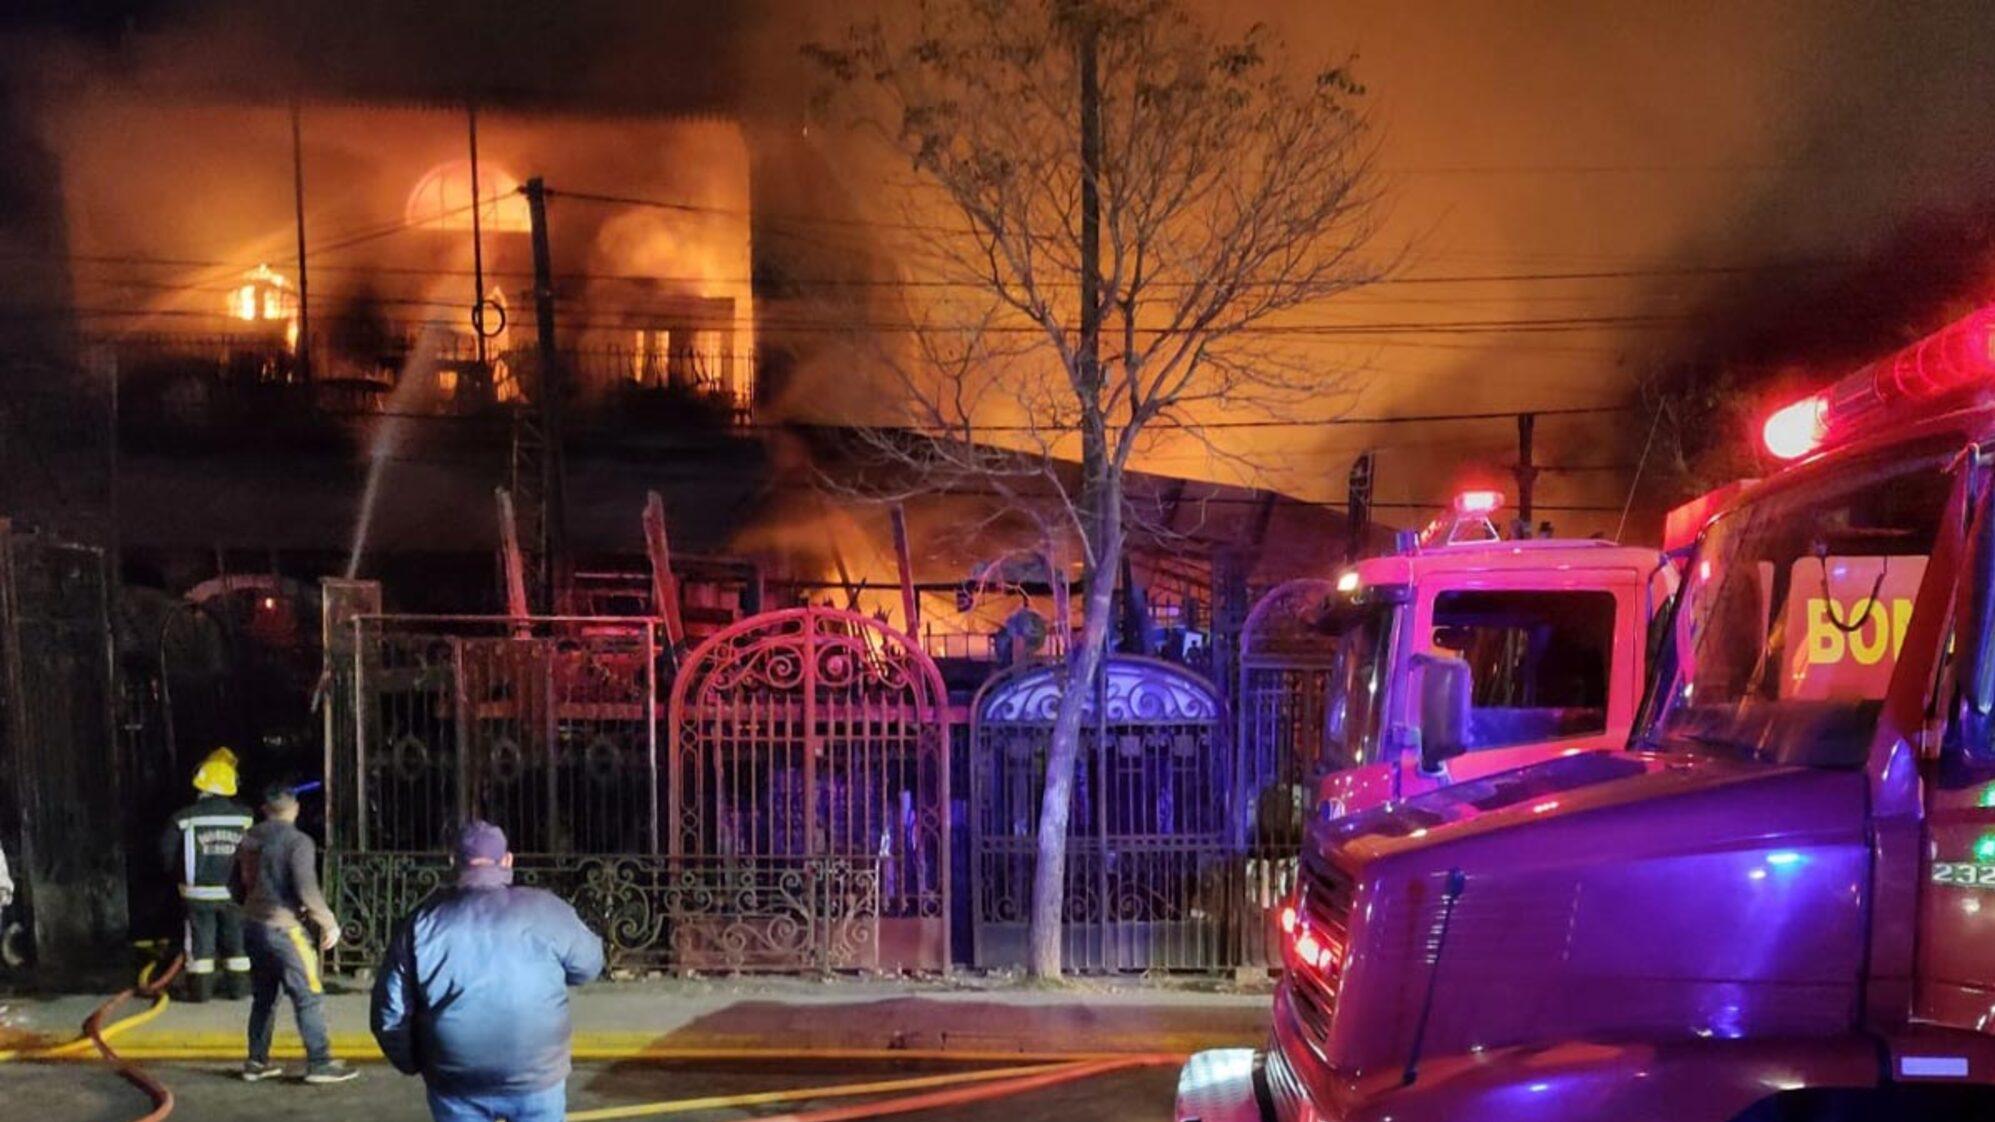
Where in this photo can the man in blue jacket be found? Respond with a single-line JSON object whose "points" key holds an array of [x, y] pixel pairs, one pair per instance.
{"points": [[473, 993]]}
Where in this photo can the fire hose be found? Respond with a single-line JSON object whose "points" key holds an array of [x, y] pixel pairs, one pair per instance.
{"points": [[913, 1093], [960, 1088], [97, 1035], [93, 1027]]}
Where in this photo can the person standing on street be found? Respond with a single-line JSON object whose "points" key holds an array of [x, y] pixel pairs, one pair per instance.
{"points": [[277, 881], [199, 851], [473, 993]]}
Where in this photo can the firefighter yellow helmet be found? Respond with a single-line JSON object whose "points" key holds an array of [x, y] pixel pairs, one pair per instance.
{"points": [[217, 773]]}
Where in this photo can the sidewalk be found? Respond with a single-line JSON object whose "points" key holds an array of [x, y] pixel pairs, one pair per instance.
{"points": [[969, 1016]]}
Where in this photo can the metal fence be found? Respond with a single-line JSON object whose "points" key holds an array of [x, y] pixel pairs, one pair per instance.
{"points": [[787, 810], [818, 736], [1285, 665], [1154, 869], [547, 727]]}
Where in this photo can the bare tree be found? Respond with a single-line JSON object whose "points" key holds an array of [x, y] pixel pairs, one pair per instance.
{"points": [[1124, 207]]}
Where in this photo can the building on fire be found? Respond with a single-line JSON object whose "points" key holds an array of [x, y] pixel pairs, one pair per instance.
{"points": [[274, 423]]}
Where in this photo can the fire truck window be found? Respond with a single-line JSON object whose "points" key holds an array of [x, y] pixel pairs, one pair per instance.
{"points": [[1540, 659], [1797, 604]]}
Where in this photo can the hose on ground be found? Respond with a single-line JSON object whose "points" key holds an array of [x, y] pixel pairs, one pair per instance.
{"points": [[959, 1088], [100, 1036]]}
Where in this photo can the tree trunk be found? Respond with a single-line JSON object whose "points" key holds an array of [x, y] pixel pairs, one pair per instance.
{"points": [[1049, 888]]}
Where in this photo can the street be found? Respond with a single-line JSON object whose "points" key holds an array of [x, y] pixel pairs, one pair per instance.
{"points": [[211, 1093]]}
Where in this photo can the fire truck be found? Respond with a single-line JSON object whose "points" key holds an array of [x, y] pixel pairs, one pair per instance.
{"points": [[1779, 903], [1553, 632]]}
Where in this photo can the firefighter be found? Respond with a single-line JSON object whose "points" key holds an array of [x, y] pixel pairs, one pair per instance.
{"points": [[199, 848]]}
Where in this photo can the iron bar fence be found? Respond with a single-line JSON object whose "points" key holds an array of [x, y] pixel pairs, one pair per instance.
{"points": [[799, 821], [780, 797]]}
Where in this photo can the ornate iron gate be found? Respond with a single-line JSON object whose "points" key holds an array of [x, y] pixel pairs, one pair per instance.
{"points": [[809, 796], [1151, 845], [548, 727], [1285, 666]]}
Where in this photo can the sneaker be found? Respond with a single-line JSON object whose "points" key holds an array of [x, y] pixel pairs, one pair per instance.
{"points": [[254, 1071], [332, 1071]]}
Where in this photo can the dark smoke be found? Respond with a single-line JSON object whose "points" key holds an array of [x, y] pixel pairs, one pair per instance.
{"points": [[1878, 227]]}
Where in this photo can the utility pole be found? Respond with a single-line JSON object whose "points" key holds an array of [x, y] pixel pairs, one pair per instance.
{"points": [[298, 206], [477, 242], [1526, 470], [537, 453]]}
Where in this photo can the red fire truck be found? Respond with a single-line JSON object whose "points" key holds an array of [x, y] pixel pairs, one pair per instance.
{"points": [[1553, 632], [1778, 904]]}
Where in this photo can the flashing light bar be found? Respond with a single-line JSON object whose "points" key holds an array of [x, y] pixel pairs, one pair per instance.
{"points": [[1798, 429], [1959, 354], [1484, 503]]}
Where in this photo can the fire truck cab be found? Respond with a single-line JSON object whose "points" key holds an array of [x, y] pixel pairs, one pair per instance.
{"points": [[1551, 634], [1777, 905]]}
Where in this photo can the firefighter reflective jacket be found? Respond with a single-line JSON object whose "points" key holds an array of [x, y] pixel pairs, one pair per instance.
{"points": [[199, 846]]}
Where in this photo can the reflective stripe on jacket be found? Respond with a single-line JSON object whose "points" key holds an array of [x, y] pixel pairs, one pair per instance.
{"points": [[199, 845]]}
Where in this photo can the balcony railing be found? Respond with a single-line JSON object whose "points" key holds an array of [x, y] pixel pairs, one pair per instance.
{"points": [[191, 379]]}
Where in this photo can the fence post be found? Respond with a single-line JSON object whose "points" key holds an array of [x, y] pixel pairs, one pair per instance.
{"points": [[460, 700], [360, 695], [651, 721]]}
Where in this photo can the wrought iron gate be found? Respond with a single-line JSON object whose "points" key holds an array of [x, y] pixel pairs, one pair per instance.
{"points": [[809, 796], [547, 727], [1151, 845], [1285, 666]]}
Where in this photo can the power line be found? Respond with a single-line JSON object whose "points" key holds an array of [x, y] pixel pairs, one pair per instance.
{"points": [[1155, 426], [1334, 505], [1519, 277], [1548, 325]]}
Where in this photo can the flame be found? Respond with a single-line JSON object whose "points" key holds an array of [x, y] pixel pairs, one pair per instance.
{"points": [[266, 296], [442, 198]]}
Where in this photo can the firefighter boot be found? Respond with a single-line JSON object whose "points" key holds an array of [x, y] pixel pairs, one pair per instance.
{"points": [[200, 987], [235, 985]]}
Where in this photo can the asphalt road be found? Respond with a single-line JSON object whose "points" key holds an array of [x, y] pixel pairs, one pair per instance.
{"points": [[210, 1093]]}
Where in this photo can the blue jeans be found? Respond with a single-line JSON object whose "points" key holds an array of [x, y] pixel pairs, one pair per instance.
{"points": [[282, 960], [550, 1105]]}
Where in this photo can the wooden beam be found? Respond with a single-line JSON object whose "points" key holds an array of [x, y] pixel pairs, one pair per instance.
{"points": [[910, 602], [509, 556], [664, 585]]}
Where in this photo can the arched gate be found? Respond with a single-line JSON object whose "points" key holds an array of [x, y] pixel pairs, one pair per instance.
{"points": [[809, 798], [1150, 838], [1285, 667]]}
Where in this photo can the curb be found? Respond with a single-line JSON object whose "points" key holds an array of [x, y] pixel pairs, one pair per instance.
{"points": [[600, 1047]]}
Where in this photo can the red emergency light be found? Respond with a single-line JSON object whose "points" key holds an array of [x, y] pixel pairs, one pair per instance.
{"points": [[1479, 502], [1959, 354]]}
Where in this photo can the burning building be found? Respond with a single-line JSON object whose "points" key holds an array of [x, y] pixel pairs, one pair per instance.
{"points": [[322, 328]]}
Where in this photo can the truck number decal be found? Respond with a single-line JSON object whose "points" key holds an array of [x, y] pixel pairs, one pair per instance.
{"points": [[1964, 874]]}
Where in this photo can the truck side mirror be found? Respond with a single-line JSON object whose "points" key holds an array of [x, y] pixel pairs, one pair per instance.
{"points": [[1445, 692], [1974, 720]]}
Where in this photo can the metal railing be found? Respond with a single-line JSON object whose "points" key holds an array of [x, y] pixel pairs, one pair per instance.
{"points": [[189, 378]]}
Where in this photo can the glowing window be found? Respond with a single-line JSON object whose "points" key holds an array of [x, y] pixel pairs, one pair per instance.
{"points": [[442, 199]]}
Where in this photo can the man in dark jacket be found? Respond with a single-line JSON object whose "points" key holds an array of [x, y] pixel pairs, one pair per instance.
{"points": [[199, 849], [473, 993], [277, 880]]}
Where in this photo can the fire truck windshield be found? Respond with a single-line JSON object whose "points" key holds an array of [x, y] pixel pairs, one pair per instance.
{"points": [[1794, 611], [1357, 683]]}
